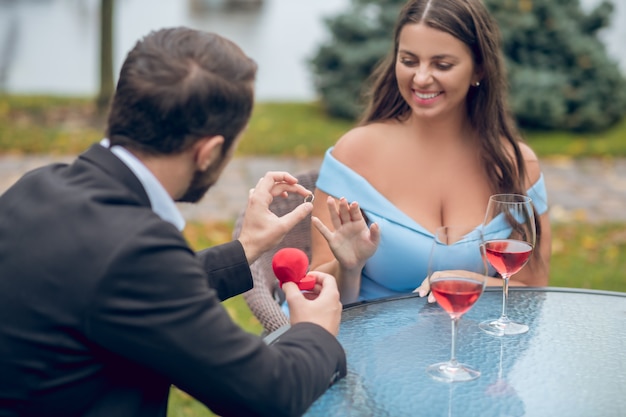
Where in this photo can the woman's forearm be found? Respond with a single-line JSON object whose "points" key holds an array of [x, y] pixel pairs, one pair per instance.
{"points": [[348, 280]]}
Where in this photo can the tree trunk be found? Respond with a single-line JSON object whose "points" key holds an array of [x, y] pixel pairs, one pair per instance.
{"points": [[106, 56]]}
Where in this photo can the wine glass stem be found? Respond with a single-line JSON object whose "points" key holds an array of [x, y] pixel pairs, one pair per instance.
{"points": [[455, 327], [505, 297]]}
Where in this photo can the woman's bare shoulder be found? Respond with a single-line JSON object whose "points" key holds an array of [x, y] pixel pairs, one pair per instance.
{"points": [[527, 152], [358, 142], [533, 170]]}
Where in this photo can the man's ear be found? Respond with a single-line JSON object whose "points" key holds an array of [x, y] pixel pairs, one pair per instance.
{"points": [[208, 150]]}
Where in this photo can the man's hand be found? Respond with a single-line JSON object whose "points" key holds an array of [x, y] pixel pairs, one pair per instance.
{"points": [[320, 306], [261, 229]]}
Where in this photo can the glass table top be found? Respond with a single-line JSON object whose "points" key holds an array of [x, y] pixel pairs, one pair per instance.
{"points": [[572, 362]]}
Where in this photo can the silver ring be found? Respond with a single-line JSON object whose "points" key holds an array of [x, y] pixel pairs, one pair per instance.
{"points": [[306, 199]]}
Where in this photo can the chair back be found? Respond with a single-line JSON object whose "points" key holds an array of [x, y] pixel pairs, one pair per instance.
{"points": [[265, 297]]}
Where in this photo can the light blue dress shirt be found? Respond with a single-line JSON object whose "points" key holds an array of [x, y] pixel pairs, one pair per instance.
{"points": [[160, 201]]}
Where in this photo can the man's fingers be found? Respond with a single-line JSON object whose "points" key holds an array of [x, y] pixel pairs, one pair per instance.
{"points": [[326, 280], [283, 189], [290, 289], [325, 286], [291, 219], [280, 184], [264, 196], [272, 177]]}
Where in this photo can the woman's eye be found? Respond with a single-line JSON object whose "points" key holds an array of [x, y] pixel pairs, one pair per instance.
{"points": [[444, 66], [407, 62]]}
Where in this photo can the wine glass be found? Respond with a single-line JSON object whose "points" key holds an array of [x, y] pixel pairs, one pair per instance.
{"points": [[509, 232], [501, 388], [457, 273]]}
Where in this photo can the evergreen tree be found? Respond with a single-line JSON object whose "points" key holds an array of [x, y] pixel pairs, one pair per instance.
{"points": [[559, 72], [360, 37]]}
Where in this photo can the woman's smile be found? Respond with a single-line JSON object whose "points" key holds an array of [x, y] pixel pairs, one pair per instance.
{"points": [[426, 97]]}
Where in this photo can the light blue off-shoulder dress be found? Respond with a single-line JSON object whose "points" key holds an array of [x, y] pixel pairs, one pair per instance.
{"points": [[400, 263]]}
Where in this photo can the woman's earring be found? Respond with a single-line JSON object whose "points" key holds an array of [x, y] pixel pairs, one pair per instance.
{"points": [[477, 83]]}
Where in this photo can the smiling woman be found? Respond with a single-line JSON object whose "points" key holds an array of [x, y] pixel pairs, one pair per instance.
{"points": [[434, 143]]}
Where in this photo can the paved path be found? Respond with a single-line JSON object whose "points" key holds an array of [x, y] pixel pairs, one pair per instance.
{"points": [[590, 190]]}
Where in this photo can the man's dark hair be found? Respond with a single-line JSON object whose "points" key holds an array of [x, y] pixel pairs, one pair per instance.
{"points": [[178, 85]]}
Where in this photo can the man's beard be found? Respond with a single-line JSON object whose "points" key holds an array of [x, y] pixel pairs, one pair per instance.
{"points": [[199, 185]]}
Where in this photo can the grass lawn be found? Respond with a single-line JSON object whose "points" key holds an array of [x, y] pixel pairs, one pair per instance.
{"points": [[62, 125], [584, 255]]}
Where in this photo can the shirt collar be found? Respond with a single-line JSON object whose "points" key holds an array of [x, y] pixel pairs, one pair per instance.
{"points": [[160, 201]]}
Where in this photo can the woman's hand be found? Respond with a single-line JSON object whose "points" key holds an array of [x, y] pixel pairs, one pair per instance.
{"points": [[424, 290], [352, 241]]}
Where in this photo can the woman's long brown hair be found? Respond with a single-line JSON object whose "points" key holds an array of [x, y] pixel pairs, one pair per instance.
{"points": [[487, 106]]}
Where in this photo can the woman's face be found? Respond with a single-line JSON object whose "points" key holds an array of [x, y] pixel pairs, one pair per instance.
{"points": [[434, 71]]}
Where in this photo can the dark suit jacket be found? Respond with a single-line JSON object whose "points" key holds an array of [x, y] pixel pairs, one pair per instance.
{"points": [[103, 305]]}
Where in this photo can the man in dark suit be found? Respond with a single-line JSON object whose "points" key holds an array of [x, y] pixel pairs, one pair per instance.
{"points": [[103, 305]]}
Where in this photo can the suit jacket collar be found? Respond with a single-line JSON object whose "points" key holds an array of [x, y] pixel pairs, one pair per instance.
{"points": [[111, 164]]}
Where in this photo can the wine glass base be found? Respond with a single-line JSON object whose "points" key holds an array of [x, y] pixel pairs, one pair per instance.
{"points": [[447, 372], [502, 328]]}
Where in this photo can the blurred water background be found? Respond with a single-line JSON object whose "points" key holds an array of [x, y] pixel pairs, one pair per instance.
{"points": [[51, 46]]}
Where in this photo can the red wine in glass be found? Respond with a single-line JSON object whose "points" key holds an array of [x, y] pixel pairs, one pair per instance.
{"points": [[508, 256], [456, 295], [457, 274], [510, 233]]}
